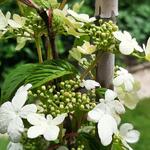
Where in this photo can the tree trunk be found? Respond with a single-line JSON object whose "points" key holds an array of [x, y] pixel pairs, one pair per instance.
{"points": [[106, 9]]}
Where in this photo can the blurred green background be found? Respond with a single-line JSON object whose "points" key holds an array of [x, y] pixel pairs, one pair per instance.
{"points": [[134, 17]]}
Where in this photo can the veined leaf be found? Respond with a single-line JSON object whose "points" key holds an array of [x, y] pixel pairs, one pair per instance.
{"points": [[36, 74], [14, 79], [48, 71]]}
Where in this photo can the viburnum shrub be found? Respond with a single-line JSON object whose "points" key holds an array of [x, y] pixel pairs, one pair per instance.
{"points": [[58, 103]]}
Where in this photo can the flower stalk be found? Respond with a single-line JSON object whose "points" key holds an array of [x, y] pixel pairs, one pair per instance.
{"points": [[38, 47]]}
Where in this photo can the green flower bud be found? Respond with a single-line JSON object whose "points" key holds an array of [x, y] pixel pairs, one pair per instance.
{"points": [[67, 100], [51, 90], [35, 95], [55, 96], [73, 100], [30, 93], [70, 105], [62, 91], [61, 106], [62, 83], [49, 101], [52, 108], [82, 107], [42, 94]]}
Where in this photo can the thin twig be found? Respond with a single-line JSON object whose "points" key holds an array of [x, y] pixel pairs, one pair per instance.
{"points": [[62, 5], [30, 3], [86, 72]]}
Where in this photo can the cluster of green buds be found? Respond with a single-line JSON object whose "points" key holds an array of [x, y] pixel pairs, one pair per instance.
{"points": [[33, 144], [102, 35], [80, 147], [64, 98], [35, 23], [58, 25]]}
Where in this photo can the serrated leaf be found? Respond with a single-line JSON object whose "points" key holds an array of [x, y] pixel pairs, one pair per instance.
{"points": [[36, 74], [49, 71], [14, 79]]}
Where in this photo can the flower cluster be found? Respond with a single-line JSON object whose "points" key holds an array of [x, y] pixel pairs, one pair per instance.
{"points": [[106, 114], [13, 114], [102, 35], [67, 99], [126, 87]]}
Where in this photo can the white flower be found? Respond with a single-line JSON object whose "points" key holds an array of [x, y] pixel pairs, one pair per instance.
{"points": [[81, 17], [48, 127], [111, 106], [128, 44], [107, 125], [106, 114], [147, 50], [129, 99], [16, 22], [89, 84], [11, 114], [128, 135], [124, 78], [4, 20], [14, 146], [86, 48]]}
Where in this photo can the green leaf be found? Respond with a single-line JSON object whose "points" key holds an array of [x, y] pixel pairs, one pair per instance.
{"points": [[14, 79], [36, 74], [49, 71]]}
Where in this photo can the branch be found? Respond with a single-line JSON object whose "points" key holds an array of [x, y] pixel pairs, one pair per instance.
{"points": [[47, 18], [30, 3], [62, 5]]}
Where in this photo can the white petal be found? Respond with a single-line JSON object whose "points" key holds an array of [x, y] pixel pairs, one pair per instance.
{"points": [[119, 35], [106, 127], [18, 19], [15, 129], [118, 81], [51, 133], [8, 15], [35, 131], [95, 115], [128, 85], [20, 97], [138, 48], [90, 84], [14, 146], [124, 128], [110, 95], [127, 35], [119, 108], [132, 136], [129, 99], [59, 119], [6, 115], [36, 119], [3, 21], [126, 48], [147, 49], [27, 109], [14, 24]]}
